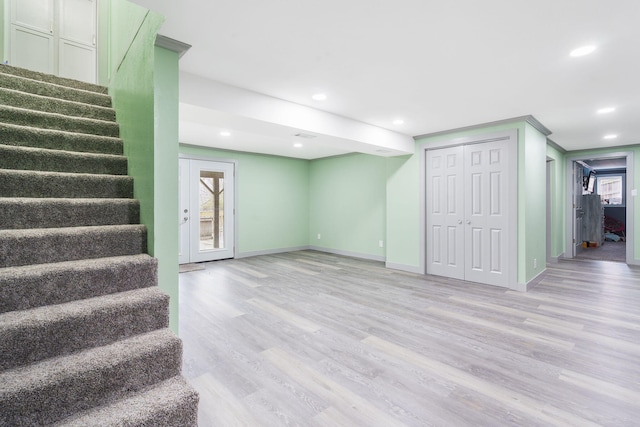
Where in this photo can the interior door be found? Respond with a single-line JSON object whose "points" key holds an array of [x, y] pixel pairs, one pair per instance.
{"points": [[578, 212], [486, 213], [445, 212], [207, 220]]}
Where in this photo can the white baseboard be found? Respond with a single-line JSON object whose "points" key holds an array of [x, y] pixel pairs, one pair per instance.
{"points": [[348, 253], [271, 251], [402, 267]]}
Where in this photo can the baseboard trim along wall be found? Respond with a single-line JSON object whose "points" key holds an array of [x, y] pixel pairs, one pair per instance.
{"points": [[271, 251], [406, 268], [348, 253]]}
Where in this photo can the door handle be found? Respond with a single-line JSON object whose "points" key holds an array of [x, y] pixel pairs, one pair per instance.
{"points": [[468, 222], [459, 221]]}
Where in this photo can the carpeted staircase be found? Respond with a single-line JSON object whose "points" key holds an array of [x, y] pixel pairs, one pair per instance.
{"points": [[83, 325]]}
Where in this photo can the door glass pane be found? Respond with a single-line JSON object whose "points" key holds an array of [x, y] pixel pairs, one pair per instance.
{"points": [[211, 193]]}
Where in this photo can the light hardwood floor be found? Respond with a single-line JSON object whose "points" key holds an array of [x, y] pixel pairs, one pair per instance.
{"points": [[314, 339]]}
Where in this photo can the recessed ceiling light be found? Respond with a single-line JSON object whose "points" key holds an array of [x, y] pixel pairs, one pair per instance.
{"points": [[225, 133], [297, 145], [610, 136], [582, 51], [398, 122], [319, 97], [606, 110]]}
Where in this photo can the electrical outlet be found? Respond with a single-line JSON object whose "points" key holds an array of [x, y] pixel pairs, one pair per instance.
{"points": [[319, 236], [535, 263], [380, 243]]}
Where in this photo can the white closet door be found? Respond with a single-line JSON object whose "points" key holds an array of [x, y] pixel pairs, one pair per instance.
{"points": [[470, 195], [486, 212], [31, 49], [445, 212]]}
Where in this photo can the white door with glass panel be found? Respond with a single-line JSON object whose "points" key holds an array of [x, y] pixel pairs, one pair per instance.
{"points": [[206, 210]]}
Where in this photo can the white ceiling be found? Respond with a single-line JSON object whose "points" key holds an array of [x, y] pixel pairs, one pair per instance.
{"points": [[439, 65]]}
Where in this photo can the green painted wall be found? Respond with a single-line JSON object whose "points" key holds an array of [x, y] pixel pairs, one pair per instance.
{"points": [[403, 212], [557, 198], [4, 32], [272, 206], [532, 211], [132, 84], [125, 21], [165, 173], [348, 204], [635, 149]]}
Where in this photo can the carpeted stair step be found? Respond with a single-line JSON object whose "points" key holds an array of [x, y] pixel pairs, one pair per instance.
{"points": [[18, 183], [45, 245], [39, 119], [37, 285], [49, 391], [48, 78], [30, 101], [18, 212], [39, 159], [52, 90], [171, 403], [59, 140], [29, 336]]}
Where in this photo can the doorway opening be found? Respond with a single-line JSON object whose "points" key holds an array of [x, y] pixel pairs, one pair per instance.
{"points": [[599, 217]]}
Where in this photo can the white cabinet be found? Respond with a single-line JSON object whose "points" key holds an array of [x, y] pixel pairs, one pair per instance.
{"points": [[55, 36]]}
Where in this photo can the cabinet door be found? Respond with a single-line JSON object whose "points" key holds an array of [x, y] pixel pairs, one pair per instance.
{"points": [[77, 40], [77, 21], [77, 61], [31, 49], [36, 15]]}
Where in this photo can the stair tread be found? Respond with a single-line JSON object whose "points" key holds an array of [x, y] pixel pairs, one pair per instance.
{"points": [[45, 159], [66, 174], [43, 103], [70, 230], [79, 200], [48, 184], [50, 390], [51, 313], [143, 408], [43, 332], [49, 78], [34, 285], [78, 154], [10, 273], [27, 85], [48, 120], [44, 245], [55, 369]]}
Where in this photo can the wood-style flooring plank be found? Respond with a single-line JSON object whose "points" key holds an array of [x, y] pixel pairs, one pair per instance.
{"points": [[316, 339]]}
